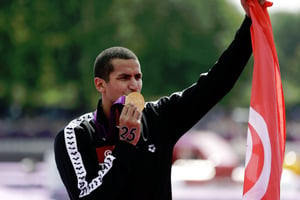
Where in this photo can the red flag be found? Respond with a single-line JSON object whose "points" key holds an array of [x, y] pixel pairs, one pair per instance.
{"points": [[266, 127]]}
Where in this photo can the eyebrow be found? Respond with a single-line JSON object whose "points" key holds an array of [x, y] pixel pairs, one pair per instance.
{"points": [[122, 75]]}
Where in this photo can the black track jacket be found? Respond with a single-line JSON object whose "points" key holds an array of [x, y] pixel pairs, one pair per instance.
{"points": [[143, 172]]}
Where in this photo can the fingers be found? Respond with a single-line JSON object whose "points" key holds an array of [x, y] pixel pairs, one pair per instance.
{"points": [[130, 124], [246, 7], [262, 2], [131, 112]]}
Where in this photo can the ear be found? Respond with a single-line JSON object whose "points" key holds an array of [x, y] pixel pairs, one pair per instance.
{"points": [[99, 84]]}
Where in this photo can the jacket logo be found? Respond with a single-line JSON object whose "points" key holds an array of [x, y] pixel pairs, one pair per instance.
{"points": [[107, 152], [103, 152], [151, 148]]}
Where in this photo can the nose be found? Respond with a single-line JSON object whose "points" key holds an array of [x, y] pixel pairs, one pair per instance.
{"points": [[133, 85]]}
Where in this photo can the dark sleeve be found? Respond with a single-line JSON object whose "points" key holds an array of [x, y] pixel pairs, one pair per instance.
{"points": [[78, 166], [186, 108]]}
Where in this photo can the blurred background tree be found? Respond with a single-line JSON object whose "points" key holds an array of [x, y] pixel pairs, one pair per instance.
{"points": [[47, 48], [287, 35]]}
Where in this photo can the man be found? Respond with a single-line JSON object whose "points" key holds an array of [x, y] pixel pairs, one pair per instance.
{"points": [[121, 152]]}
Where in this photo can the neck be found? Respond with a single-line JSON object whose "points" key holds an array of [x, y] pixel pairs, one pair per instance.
{"points": [[106, 105]]}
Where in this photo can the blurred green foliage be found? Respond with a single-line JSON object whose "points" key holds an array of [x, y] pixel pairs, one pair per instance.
{"points": [[47, 48]]}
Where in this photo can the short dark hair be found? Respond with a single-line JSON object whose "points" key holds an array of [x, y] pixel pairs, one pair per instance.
{"points": [[103, 66]]}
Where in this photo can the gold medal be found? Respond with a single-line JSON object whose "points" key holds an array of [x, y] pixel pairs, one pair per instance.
{"points": [[137, 99]]}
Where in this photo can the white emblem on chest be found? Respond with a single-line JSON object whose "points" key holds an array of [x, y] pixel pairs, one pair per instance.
{"points": [[151, 148]]}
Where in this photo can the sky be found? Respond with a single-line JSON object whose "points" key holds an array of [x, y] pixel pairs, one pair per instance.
{"points": [[279, 5]]}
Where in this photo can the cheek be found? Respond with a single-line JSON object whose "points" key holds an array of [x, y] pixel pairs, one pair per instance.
{"points": [[140, 85], [118, 90], [112, 90]]}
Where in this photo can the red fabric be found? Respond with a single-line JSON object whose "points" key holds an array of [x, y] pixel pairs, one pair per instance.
{"points": [[104, 151], [266, 132]]}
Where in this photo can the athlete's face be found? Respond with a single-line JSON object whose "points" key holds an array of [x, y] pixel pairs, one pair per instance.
{"points": [[126, 78]]}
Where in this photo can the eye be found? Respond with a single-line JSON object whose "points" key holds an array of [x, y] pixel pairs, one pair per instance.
{"points": [[138, 76], [124, 77]]}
